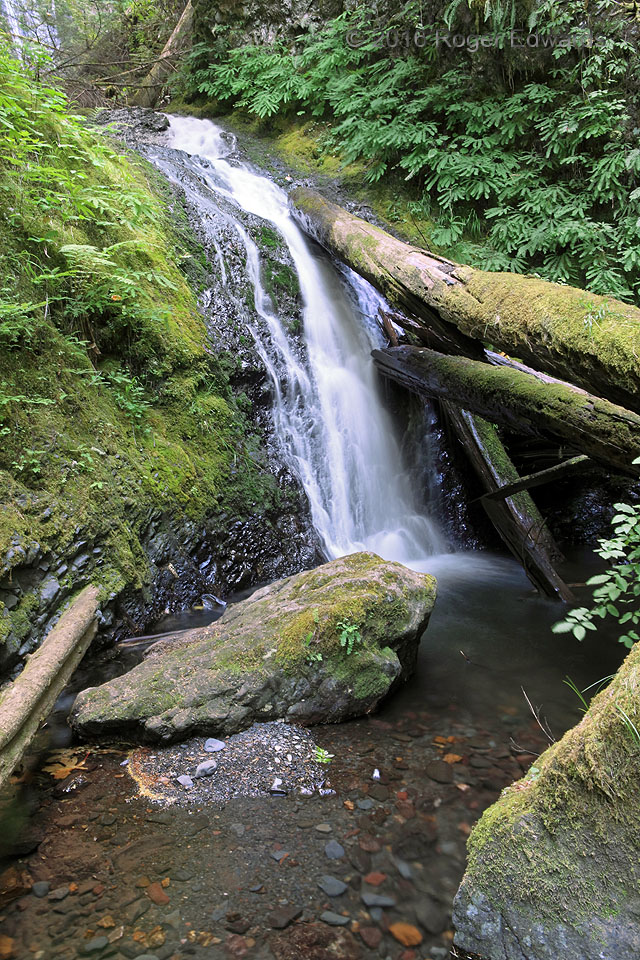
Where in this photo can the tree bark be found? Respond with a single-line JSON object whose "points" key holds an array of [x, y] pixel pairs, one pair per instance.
{"points": [[521, 402], [149, 92], [516, 518], [582, 337]]}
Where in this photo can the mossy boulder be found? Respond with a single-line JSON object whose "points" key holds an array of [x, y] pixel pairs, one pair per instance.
{"points": [[554, 865], [317, 647]]}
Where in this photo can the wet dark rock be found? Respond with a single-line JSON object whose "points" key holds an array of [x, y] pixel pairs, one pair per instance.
{"points": [[334, 850], [439, 771], [94, 946], [284, 915], [377, 900], [334, 919], [193, 682], [432, 916], [40, 888], [59, 893], [332, 886]]}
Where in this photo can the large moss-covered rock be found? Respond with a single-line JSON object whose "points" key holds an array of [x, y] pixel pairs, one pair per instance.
{"points": [[554, 865], [318, 647]]}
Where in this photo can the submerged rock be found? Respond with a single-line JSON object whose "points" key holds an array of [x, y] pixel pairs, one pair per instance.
{"points": [[317, 647], [553, 865]]}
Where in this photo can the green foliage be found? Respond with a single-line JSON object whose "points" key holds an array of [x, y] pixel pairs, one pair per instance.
{"points": [[617, 591], [111, 408], [536, 168], [350, 635], [323, 756]]}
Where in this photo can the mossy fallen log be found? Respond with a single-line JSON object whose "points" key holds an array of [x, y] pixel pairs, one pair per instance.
{"points": [[591, 340], [521, 402], [516, 518], [553, 867]]}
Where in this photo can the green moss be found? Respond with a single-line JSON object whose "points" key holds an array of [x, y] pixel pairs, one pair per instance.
{"points": [[562, 841], [108, 413]]}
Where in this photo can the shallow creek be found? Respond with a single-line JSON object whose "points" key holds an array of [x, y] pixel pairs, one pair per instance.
{"points": [[129, 876]]}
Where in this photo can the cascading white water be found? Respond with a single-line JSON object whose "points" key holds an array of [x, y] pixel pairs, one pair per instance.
{"points": [[329, 416], [10, 12]]}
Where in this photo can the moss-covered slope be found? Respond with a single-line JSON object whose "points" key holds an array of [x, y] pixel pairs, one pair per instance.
{"points": [[114, 410], [553, 865]]}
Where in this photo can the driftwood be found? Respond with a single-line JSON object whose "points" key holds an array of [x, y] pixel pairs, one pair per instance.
{"points": [[590, 340], [516, 518], [516, 400]]}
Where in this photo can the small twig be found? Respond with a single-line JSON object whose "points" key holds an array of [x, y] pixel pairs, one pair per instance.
{"points": [[542, 723]]}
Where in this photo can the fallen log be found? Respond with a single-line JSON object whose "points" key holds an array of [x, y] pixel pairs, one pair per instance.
{"points": [[516, 517], [514, 399], [148, 93], [29, 699], [582, 337]]}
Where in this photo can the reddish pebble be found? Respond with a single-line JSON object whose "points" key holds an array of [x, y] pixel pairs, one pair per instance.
{"points": [[402, 795], [371, 936], [406, 810], [157, 895], [98, 890], [375, 879], [236, 945]]}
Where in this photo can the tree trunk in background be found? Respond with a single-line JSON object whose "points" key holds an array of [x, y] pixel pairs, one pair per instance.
{"points": [[591, 340], [179, 40]]}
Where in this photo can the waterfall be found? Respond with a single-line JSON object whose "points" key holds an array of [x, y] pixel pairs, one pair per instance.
{"points": [[329, 413], [10, 12]]}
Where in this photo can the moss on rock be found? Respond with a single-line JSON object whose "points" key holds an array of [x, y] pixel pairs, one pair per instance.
{"points": [[277, 654], [553, 865]]}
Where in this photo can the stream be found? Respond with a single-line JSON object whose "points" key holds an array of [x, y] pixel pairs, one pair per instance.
{"points": [[383, 841]]}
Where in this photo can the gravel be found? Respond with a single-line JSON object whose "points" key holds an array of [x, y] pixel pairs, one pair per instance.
{"points": [[248, 766]]}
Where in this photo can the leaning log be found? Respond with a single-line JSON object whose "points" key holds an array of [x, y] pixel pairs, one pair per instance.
{"points": [[149, 92], [27, 701], [514, 399], [582, 337], [516, 518]]}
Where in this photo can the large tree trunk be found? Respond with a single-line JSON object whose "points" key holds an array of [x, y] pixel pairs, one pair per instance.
{"points": [[582, 337], [520, 401]]}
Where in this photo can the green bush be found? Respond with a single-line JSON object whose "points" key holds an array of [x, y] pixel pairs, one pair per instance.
{"points": [[534, 164]]}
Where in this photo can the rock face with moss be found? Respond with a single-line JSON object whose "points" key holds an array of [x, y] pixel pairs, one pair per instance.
{"points": [[553, 866], [317, 647]]}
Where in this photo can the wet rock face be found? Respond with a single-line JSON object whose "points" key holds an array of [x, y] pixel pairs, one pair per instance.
{"points": [[317, 647], [263, 20]]}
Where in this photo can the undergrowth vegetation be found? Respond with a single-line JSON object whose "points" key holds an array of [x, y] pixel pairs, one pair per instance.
{"points": [[110, 402], [527, 155]]}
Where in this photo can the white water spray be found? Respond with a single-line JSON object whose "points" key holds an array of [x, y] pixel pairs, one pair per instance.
{"points": [[329, 417]]}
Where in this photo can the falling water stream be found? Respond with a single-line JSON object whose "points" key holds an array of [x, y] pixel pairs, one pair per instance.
{"points": [[329, 414]]}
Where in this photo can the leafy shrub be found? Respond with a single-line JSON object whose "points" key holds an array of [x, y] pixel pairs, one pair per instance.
{"points": [[541, 164], [617, 591]]}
